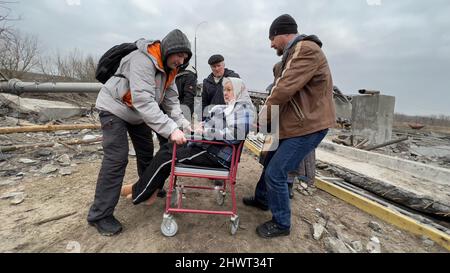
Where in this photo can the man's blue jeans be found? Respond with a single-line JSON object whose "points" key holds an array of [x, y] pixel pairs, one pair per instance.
{"points": [[272, 187]]}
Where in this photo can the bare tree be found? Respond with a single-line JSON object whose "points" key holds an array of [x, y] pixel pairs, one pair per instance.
{"points": [[432, 120], [5, 18], [73, 66], [18, 54]]}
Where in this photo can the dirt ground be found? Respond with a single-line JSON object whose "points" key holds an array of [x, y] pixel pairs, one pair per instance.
{"points": [[24, 227]]}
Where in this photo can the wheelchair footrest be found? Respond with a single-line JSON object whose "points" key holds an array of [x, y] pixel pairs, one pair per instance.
{"points": [[199, 171]]}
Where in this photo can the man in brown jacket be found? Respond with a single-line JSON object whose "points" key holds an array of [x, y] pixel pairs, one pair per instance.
{"points": [[303, 91]]}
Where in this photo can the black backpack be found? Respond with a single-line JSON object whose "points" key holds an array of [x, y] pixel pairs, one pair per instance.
{"points": [[110, 61]]}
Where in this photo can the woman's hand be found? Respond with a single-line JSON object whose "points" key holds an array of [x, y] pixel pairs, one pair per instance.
{"points": [[198, 128]]}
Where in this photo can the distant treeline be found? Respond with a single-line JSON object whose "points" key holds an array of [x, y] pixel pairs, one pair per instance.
{"points": [[432, 120]]}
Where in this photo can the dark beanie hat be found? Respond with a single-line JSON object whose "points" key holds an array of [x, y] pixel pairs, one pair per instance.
{"points": [[215, 59], [284, 24], [175, 42]]}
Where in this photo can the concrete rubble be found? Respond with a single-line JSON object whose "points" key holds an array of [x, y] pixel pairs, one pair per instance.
{"points": [[43, 110]]}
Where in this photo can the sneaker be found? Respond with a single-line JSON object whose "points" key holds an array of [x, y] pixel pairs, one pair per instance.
{"points": [[270, 229], [252, 202], [161, 193], [107, 226]]}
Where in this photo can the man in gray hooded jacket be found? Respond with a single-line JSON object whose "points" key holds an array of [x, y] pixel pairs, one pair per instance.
{"points": [[131, 103]]}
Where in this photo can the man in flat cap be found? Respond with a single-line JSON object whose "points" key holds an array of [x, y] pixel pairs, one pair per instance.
{"points": [[212, 93], [303, 90]]}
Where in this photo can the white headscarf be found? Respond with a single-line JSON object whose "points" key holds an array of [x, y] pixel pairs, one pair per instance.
{"points": [[240, 94]]}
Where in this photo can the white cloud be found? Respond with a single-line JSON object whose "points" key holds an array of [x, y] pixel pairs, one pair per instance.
{"points": [[73, 2], [149, 7], [395, 46]]}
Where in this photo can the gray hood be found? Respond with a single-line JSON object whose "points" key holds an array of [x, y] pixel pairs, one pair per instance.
{"points": [[175, 42]]}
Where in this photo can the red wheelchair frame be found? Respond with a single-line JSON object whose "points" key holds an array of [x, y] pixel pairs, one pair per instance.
{"points": [[174, 198]]}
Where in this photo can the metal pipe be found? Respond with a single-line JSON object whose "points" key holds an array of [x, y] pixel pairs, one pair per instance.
{"points": [[18, 87], [369, 92], [370, 148]]}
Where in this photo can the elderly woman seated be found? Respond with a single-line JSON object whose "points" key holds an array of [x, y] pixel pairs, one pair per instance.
{"points": [[229, 123]]}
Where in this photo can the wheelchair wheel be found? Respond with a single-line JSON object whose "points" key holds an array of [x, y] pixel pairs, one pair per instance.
{"points": [[169, 226], [234, 224], [220, 197]]}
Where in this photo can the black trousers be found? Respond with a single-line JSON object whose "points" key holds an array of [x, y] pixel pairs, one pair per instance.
{"points": [[159, 170], [115, 160]]}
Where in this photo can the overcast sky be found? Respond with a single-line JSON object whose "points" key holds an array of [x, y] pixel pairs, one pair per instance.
{"points": [[401, 47]]}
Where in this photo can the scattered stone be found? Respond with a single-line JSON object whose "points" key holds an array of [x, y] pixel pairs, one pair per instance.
{"points": [[62, 133], [357, 246], [49, 168], [302, 191], [318, 230], [375, 226], [321, 166], [65, 171], [311, 190], [375, 240], [27, 161], [334, 245], [374, 246], [89, 137], [43, 153], [18, 199], [64, 160], [85, 131], [304, 185]]}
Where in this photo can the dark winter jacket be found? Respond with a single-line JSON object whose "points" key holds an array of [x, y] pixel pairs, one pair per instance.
{"points": [[187, 84], [212, 93]]}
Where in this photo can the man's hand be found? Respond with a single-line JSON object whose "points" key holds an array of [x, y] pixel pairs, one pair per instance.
{"points": [[178, 137]]}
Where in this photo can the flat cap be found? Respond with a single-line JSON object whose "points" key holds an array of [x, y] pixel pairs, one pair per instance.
{"points": [[217, 58]]}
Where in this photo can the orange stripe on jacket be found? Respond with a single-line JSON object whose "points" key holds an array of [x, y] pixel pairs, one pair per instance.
{"points": [[155, 51]]}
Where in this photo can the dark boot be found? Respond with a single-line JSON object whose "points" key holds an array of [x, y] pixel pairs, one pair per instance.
{"points": [[252, 202], [270, 229], [107, 226]]}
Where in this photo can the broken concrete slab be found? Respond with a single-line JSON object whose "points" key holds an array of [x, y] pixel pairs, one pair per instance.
{"points": [[427, 172], [44, 109]]}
